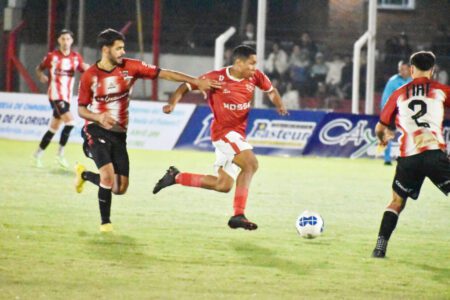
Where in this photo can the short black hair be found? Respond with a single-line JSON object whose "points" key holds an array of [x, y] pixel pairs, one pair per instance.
{"points": [[243, 52], [64, 31], [108, 36], [423, 60]]}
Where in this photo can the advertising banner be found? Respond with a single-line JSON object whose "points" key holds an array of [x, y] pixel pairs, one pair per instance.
{"points": [[267, 132]]}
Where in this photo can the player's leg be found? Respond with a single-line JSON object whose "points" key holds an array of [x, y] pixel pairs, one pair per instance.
{"points": [[69, 123], [408, 180], [55, 122], [387, 154], [121, 162], [107, 177], [248, 163]]}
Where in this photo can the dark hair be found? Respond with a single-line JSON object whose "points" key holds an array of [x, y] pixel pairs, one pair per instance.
{"points": [[243, 52], [423, 60], [64, 31], [108, 36]]}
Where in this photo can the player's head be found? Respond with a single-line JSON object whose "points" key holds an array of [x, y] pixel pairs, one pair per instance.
{"points": [[65, 39], [244, 60], [422, 64], [112, 44], [403, 69]]}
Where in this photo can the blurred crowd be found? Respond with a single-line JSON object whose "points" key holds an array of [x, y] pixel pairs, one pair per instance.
{"points": [[309, 75]]}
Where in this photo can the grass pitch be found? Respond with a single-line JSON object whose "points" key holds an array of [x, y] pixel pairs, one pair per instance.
{"points": [[176, 245]]}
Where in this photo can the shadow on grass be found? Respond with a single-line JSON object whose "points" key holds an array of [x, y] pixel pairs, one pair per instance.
{"points": [[255, 255], [61, 171], [120, 249], [441, 275]]}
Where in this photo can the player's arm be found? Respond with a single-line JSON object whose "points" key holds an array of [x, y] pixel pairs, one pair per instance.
{"points": [[104, 119], [175, 98], [201, 84], [275, 97], [383, 133], [40, 74], [383, 129]]}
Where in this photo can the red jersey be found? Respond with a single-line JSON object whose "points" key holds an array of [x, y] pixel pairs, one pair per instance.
{"points": [[418, 110], [231, 104], [109, 91], [61, 73]]}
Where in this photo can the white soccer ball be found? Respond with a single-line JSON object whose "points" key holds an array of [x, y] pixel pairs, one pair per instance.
{"points": [[309, 224]]}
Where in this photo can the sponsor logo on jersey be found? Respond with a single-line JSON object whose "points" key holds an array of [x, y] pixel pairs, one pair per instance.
{"points": [[280, 133], [240, 106]]}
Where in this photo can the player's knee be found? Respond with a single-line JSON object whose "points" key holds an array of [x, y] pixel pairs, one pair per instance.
{"points": [[107, 179], [397, 204], [251, 166]]}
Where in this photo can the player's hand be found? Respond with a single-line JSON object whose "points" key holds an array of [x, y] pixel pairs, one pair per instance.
{"points": [[388, 135], [207, 84], [43, 78], [106, 120], [168, 108], [282, 111]]}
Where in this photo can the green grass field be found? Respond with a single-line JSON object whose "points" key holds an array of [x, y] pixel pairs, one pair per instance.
{"points": [[176, 245]]}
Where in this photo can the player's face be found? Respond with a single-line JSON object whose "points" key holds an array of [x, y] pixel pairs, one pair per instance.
{"points": [[116, 52], [403, 70], [65, 41], [248, 66]]}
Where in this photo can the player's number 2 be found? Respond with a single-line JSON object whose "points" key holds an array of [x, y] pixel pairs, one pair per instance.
{"points": [[422, 111]]}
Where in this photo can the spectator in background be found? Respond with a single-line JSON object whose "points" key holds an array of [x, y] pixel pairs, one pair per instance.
{"points": [[299, 70], [291, 98], [347, 77], [440, 44], [308, 45], [319, 71], [403, 76], [228, 57], [277, 62], [440, 75], [404, 49], [335, 66], [249, 36]]}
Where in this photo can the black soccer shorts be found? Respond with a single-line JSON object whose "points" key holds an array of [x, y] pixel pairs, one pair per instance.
{"points": [[59, 107], [105, 146], [412, 170]]}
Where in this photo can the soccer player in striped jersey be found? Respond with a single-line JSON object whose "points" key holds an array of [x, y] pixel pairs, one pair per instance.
{"points": [[417, 110], [103, 102], [61, 65], [235, 160]]}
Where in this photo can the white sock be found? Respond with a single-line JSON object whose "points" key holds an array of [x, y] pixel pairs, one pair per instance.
{"points": [[61, 151], [39, 152]]}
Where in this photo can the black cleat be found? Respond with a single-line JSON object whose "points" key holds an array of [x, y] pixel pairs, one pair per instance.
{"points": [[167, 180], [378, 253], [240, 221]]}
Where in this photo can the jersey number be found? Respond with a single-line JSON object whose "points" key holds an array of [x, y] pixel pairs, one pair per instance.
{"points": [[422, 111]]}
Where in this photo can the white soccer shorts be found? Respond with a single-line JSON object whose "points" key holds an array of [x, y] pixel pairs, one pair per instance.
{"points": [[226, 148]]}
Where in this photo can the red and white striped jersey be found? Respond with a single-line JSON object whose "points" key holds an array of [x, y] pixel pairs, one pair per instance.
{"points": [[418, 110], [231, 104], [61, 73], [109, 91]]}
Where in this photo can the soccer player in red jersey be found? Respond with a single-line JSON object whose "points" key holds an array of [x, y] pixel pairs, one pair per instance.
{"points": [[417, 109], [103, 102], [230, 105], [61, 65]]}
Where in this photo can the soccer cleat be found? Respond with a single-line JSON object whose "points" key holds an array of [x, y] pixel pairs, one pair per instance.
{"points": [[106, 227], [167, 180], [61, 160], [37, 161], [388, 163], [378, 253], [79, 181], [240, 221]]}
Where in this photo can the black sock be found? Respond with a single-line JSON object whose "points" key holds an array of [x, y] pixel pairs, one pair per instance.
{"points": [[46, 139], [91, 176], [388, 224], [65, 133], [104, 201]]}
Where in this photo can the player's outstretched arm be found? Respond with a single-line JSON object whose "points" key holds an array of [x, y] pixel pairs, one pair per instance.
{"points": [[201, 84], [175, 98], [383, 133], [104, 119], [275, 97]]}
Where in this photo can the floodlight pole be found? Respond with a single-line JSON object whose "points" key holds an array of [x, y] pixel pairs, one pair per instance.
{"points": [[260, 44]]}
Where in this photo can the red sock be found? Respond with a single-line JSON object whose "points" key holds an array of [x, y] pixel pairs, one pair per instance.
{"points": [[189, 179], [240, 199]]}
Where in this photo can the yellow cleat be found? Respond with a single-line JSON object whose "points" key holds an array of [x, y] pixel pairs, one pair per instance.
{"points": [[79, 181], [106, 227]]}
